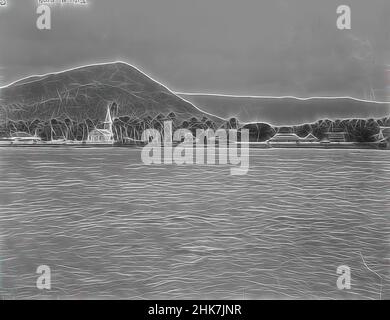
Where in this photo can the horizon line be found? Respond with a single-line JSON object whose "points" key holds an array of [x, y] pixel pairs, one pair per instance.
{"points": [[277, 97]]}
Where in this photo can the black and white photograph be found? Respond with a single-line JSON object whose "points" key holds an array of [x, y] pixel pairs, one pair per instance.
{"points": [[196, 150]]}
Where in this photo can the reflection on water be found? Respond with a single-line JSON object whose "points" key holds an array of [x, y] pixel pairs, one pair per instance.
{"points": [[111, 227]]}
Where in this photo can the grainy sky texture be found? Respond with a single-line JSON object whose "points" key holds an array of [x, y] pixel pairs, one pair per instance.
{"points": [[258, 47]]}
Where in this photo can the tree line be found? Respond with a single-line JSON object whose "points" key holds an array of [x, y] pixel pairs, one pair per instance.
{"points": [[356, 130]]}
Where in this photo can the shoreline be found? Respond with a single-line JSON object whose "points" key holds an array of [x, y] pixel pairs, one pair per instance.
{"points": [[252, 145]]}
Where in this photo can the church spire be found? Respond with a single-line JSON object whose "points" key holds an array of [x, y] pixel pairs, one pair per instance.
{"points": [[108, 121]]}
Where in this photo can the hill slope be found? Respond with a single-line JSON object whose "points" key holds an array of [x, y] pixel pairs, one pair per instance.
{"points": [[84, 92], [287, 111]]}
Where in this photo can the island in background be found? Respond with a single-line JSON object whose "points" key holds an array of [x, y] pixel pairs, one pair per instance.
{"points": [[113, 103]]}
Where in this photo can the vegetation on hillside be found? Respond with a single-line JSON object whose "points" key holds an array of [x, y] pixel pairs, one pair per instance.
{"points": [[356, 130]]}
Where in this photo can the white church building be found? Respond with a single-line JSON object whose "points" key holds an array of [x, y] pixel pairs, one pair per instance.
{"points": [[105, 135]]}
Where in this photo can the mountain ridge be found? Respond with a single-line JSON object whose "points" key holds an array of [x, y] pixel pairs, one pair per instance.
{"points": [[287, 110], [84, 92]]}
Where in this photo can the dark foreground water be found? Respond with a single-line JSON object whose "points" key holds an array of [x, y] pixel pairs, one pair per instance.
{"points": [[110, 227]]}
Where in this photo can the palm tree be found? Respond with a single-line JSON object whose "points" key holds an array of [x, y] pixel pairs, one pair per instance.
{"points": [[171, 115], [232, 123], [185, 124]]}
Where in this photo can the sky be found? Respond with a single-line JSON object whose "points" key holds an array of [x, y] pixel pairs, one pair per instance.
{"points": [[243, 47]]}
